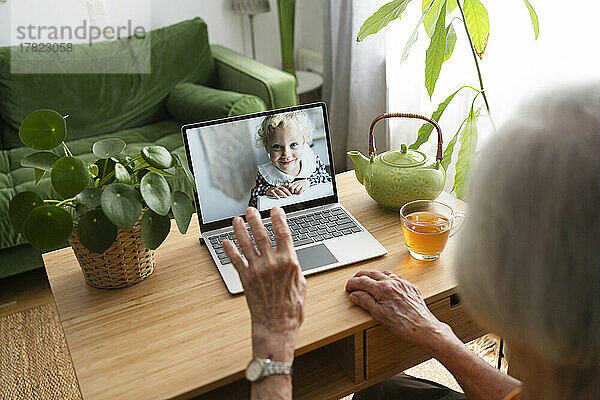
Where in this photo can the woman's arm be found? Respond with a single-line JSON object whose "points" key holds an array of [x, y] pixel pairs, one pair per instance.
{"points": [[275, 289], [399, 306]]}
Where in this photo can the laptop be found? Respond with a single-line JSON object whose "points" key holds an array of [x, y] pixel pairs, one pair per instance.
{"points": [[250, 160]]}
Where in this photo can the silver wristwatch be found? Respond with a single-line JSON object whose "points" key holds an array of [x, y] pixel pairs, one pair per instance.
{"points": [[258, 368]]}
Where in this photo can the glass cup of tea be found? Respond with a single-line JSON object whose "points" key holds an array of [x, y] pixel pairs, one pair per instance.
{"points": [[426, 226]]}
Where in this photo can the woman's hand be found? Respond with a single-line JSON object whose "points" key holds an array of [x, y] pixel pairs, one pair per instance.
{"points": [[298, 186], [395, 303], [278, 191], [273, 282]]}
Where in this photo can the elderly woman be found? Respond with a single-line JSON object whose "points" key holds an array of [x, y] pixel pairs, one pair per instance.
{"points": [[528, 267]]}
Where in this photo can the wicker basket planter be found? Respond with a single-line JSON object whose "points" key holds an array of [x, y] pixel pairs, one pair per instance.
{"points": [[124, 264]]}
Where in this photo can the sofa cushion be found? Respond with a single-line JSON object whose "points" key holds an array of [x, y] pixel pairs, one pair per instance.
{"points": [[15, 179], [189, 102], [104, 103]]}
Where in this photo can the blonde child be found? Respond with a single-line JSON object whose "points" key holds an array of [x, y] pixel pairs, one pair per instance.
{"points": [[294, 167]]}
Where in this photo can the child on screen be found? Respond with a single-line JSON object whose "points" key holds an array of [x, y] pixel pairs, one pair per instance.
{"points": [[294, 167]]}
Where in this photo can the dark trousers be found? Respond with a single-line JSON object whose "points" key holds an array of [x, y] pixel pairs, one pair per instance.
{"points": [[406, 387]]}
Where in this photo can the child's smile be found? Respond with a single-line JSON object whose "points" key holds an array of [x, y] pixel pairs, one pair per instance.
{"points": [[285, 150]]}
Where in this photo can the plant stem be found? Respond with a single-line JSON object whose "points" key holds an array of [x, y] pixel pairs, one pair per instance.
{"points": [[66, 150], [487, 105]]}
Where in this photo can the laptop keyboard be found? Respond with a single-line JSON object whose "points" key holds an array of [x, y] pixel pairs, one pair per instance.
{"points": [[308, 228]]}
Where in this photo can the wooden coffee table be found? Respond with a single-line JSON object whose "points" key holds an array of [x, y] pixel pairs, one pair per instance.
{"points": [[180, 334]]}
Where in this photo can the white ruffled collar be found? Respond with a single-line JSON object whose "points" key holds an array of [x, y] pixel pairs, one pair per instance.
{"points": [[274, 176]]}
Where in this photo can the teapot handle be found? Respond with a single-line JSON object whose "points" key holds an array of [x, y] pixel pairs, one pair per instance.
{"points": [[405, 115]]}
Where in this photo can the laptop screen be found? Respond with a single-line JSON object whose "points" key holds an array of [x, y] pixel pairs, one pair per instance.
{"points": [[275, 158]]}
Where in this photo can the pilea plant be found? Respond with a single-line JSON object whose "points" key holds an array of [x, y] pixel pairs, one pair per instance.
{"points": [[110, 193], [473, 17]]}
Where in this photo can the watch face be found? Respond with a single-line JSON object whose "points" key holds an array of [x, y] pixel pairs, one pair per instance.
{"points": [[254, 370]]}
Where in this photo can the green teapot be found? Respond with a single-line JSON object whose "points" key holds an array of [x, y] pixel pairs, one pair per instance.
{"points": [[397, 177]]}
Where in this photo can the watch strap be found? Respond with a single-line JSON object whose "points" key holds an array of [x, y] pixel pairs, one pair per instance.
{"points": [[276, 368]]}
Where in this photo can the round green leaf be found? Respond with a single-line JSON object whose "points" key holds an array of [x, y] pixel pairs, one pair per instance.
{"points": [[157, 156], [96, 232], [43, 130], [183, 208], [155, 229], [69, 176], [121, 204], [107, 148], [156, 193], [20, 207], [48, 227], [88, 199], [121, 174], [43, 160]]}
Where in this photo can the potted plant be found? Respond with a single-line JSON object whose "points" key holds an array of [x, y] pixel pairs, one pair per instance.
{"points": [[114, 212]]}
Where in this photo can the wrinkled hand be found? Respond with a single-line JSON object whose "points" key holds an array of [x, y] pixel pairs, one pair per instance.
{"points": [[273, 282], [395, 303], [298, 186], [278, 192]]}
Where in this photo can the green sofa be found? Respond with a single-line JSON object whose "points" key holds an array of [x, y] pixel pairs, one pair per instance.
{"points": [[189, 81]]}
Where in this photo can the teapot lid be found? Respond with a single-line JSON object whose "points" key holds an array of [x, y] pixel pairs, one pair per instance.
{"points": [[403, 158]]}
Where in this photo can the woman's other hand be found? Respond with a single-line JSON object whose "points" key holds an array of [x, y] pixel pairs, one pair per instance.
{"points": [[395, 303]]}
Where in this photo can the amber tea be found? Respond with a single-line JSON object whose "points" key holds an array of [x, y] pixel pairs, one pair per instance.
{"points": [[426, 232]]}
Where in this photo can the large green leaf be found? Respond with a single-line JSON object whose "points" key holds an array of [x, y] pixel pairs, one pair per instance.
{"points": [[121, 173], [432, 16], [426, 129], [96, 232], [43, 130], [478, 23], [121, 204], [43, 160], [534, 19], [48, 227], [20, 207], [466, 155], [447, 156], [69, 176], [388, 12], [450, 42], [434, 57], [156, 193], [183, 208], [109, 147], [157, 156], [155, 229], [88, 200]]}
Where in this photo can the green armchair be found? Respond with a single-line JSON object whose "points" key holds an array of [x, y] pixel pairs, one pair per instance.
{"points": [[190, 81]]}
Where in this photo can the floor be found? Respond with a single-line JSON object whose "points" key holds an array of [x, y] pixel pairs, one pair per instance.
{"points": [[32, 289], [24, 291]]}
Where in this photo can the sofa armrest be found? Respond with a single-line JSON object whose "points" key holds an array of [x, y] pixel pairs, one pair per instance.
{"points": [[189, 102], [239, 73]]}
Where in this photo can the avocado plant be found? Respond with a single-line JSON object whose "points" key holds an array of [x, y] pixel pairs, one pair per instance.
{"points": [[101, 197]]}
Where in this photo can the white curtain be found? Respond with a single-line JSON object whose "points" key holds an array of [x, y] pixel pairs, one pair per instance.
{"points": [[354, 85], [514, 67]]}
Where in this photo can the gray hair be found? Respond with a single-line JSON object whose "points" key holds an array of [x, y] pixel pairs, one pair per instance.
{"points": [[274, 122], [528, 263]]}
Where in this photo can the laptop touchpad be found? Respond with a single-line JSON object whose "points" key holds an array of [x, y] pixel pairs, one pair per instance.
{"points": [[315, 256]]}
